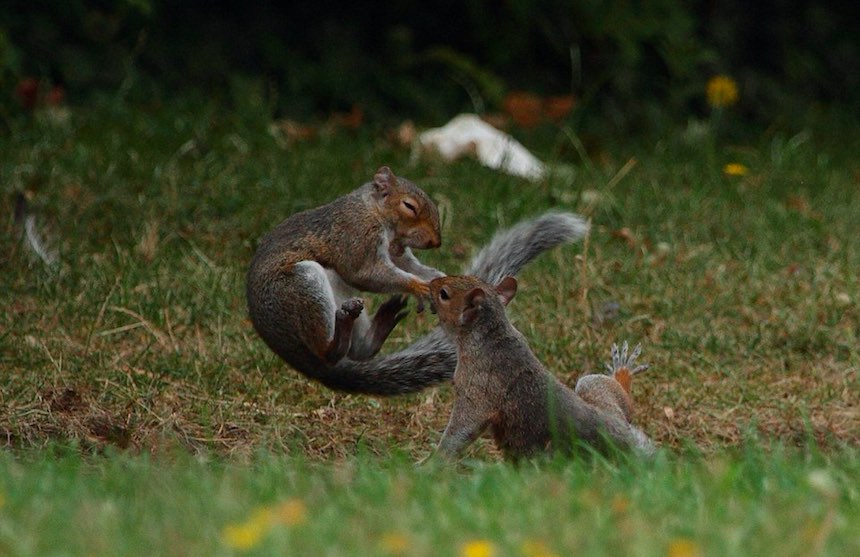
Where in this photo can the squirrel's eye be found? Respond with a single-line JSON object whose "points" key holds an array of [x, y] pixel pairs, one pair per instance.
{"points": [[410, 207], [444, 294]]}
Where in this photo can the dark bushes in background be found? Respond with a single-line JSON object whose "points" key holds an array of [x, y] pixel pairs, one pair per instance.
{"points": [[632, 64]]}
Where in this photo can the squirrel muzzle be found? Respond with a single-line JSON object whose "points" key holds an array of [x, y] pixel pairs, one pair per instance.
{"points": [[434, 242], [423, 238]]}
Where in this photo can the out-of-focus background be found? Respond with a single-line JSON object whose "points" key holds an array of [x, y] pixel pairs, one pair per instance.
{"points": [[611, 66]]}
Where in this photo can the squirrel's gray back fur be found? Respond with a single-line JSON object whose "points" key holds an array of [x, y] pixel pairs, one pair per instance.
{"points": [[432, 359]]}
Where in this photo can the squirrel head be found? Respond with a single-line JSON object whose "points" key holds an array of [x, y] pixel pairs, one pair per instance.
{"points": [[462, 302], [411, 213]]}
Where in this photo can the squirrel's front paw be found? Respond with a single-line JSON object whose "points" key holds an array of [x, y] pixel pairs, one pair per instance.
{"points": [[419, 288], [421, 291]]}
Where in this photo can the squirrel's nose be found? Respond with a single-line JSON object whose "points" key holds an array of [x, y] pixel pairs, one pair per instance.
{"points": [[435, 239]]}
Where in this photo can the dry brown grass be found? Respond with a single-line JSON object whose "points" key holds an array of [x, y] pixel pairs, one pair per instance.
{"points": [[259, 403]]}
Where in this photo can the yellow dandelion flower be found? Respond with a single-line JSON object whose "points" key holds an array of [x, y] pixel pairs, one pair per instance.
{"points": [[394, 543], [478, 548], [290, 513], [245, 535], [721, 91], [735, 169], [537, 548], [683, 547]]}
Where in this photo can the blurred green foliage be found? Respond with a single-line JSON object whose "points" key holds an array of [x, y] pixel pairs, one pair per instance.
{"points": [[631, 65]]}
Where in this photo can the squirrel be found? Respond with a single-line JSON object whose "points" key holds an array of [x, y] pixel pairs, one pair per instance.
{"points": [[303, 281], [499, 383]]}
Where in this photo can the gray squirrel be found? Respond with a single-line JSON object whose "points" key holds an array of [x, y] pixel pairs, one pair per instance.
{"points": [[500, 385], [304, 280]]}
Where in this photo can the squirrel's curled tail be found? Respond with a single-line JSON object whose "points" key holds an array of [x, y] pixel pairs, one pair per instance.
{"points": [[431, 359]]}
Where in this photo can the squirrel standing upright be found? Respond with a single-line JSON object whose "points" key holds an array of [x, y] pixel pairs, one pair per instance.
{"points": [[499, 383], [302, 284]]}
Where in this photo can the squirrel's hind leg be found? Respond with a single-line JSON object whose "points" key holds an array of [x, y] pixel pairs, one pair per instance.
{"points": [[366, 343], [344, 318], [368, 334], [329, 337]]}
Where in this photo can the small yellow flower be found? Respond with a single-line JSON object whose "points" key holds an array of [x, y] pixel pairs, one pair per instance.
{"points": [[721, 91], [246, 535], [536, 548], [290, 513], [394, 543], [735, 169], [478, 548], [683, 547]]}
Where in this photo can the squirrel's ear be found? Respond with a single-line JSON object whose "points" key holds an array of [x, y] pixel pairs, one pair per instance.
{"points": [[507, 289], [471, 304], [384, 181]]}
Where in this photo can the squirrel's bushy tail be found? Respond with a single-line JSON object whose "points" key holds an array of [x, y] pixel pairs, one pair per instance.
{"points": [[432, 358], [512, 249]]}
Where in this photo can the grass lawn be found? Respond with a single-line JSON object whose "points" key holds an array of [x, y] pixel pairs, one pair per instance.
{"points": [[142, 415], [743, 503]]}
